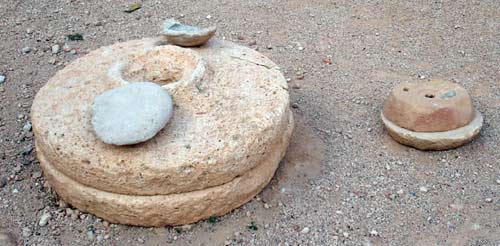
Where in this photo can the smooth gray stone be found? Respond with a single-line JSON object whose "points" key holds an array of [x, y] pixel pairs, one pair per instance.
{"points": [[184, 35], [132, 113]]}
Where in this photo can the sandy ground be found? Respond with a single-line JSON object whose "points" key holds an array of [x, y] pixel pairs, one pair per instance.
{"points": [[343, 180]]}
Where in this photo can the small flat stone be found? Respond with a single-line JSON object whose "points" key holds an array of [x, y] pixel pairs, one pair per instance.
{"points": [[2, 79], [44, 219], [185, 35], [56, 48], [132, 113], [26, 50]]}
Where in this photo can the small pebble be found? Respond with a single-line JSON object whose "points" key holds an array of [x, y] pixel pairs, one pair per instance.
{"points": [[305, 230], [498, 181], [27, 127], [2, 79], [373, 233], [423, 189], [489, 200], [345, 234], [26, 50], [209, 17], [266, 206], [56, 48], [44, 219], [73, 52]]}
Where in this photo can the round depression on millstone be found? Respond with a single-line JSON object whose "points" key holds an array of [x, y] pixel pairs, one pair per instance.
{"points": [[231, 122]]}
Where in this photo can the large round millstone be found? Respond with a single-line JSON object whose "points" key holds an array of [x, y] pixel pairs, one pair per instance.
{"points": [[434, 115], [230, 128]]}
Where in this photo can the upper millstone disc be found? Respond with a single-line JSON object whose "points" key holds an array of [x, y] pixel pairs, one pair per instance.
{"points": [[433, 106]]}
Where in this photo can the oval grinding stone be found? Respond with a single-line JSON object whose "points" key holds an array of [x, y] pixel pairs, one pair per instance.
{"points": [[132, 113]]}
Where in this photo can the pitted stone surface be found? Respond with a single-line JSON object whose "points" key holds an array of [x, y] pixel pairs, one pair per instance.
{"points": [[231, 119], [132, 113], [433, 106]]}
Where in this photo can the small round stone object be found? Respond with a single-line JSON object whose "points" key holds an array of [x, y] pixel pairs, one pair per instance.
{"points": [[132, 113], [434, 115]]}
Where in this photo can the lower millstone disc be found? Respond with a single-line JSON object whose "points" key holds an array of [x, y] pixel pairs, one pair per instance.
{"points": [[435, 140]]}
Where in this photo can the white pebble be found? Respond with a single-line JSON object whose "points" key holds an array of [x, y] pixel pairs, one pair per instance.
{"points": [[26, 50], [423, 189], [373, 233], [44, 219], [2, 79], [305, 230], [56, 48]]}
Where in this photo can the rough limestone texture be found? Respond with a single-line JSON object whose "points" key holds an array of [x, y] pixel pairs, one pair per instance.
{"points": [[132, 113], [435, 140], [433, 106], [184, 35], [230, 129]]}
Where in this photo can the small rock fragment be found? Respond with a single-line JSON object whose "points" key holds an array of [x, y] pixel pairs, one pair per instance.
{"points": [[26, 50], [44, 219], [185, 35], [27, 127], [305, 230], [423, 189], [56, 48], [2, 78]]}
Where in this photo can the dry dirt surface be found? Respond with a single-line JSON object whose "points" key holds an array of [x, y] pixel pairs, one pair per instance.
{"points": [[344, 181]]}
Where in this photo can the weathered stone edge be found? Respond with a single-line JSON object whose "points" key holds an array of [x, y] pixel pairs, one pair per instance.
{"points": [[435, 140], [173, 209]]}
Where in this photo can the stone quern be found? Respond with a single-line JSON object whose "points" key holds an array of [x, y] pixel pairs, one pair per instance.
{"points": [[434, 115], [132, 113], [230, 129]]}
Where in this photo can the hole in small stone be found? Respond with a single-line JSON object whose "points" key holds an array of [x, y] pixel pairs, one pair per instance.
{"points": [[429, 95], [406, 89]]}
